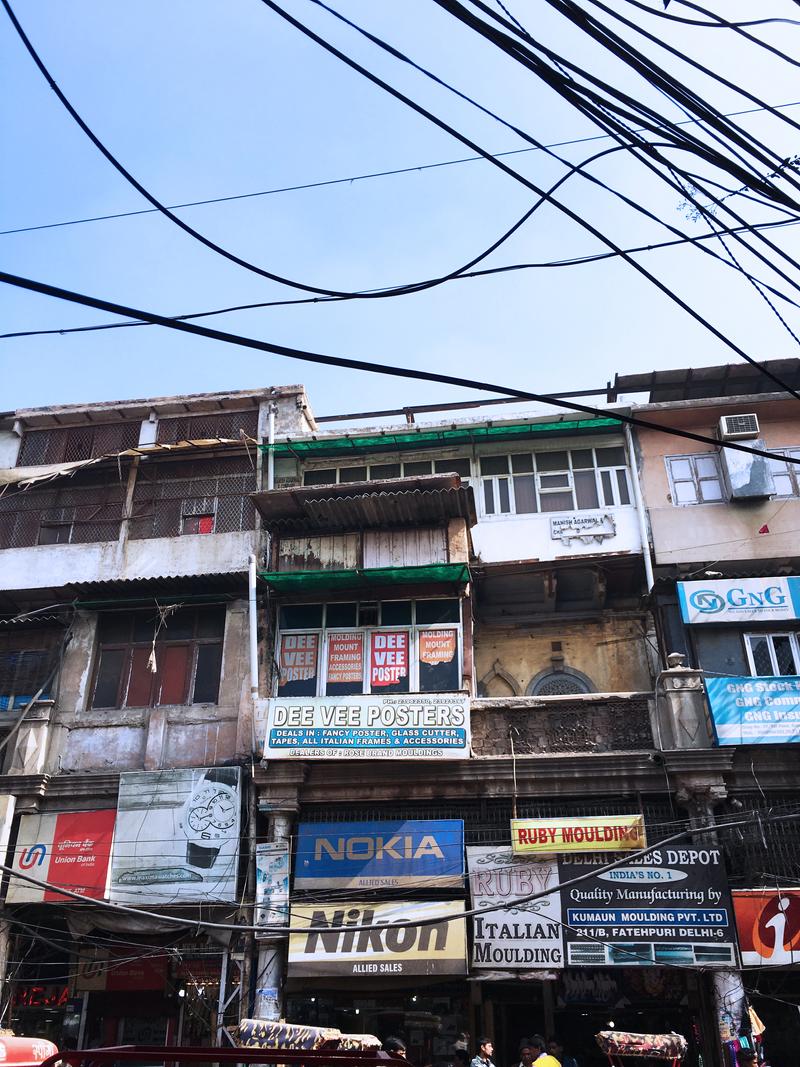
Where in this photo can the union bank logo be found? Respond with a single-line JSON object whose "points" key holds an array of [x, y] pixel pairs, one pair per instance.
{"points": [[34, 856]]}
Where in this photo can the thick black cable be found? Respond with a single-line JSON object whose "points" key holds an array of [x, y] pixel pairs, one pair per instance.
{"points": [[397, 54], [720, 23], [349, 363], [512, 173]]}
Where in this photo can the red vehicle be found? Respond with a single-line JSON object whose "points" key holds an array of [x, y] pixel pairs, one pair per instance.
{"points": [[138, 1054], [25, 1051]]}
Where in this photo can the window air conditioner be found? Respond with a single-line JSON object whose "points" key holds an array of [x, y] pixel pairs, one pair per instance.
{"points": [[738, 427]]}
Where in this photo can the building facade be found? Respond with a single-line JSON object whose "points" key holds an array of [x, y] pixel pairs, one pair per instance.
{"points": [[315, 685]]}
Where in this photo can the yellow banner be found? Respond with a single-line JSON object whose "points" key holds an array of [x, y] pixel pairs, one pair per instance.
{"points": [[606, 833]]}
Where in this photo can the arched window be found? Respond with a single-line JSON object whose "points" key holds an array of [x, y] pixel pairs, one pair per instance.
{"points": [[557, 683]]}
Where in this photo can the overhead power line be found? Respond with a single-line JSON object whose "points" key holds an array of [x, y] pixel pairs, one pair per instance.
{"points": [[390, 370]]}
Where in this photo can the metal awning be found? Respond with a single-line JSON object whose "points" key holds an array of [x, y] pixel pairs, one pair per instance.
{"points": [[422, 501], [311, 582], [701, 383]]}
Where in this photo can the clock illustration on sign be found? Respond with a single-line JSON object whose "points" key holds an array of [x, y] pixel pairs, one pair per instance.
{"points": [[210, 815]]}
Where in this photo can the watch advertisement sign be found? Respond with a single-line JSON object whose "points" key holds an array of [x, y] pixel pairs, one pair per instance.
{"points": [[272, 885], [672, 906], [755, 711], [517, 936], [740, 600], [605, 833], [768, 921], [402, 726], [380, 855], [323, 949], [71, 849], [177, 836]]}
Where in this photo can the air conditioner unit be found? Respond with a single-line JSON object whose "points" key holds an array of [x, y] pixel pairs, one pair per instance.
{"points": [[738, 427]]}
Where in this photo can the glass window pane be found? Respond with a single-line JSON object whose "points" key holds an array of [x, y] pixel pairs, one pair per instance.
{"points": [[297, 664], [685, 493], [759, 647], [552, 461], [710, 489], [554, 481], [556, 502], [341, 615], [108, 677], [488, 496], [783, 485], [522, 464], [438, 661], [396, 613], [368, 613], [504, 494], [210, 622], [525, 494], [298, 616], [453, 466], [610, 457], [206, 675], [320, 477], [494, 464], [114, 628], [384, 470], [430, 611], [412, 470], [680, 468], [144, 625], [582, 458], [706, 467], [608, 491], [586, 489], [140, 679], [388, 661], [177, 627], [622, 486], [352, 474], [784, 656]]}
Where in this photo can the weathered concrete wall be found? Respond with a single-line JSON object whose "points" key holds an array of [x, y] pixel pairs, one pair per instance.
{"points": [[610, 650], [718, 531], [9, 448], [87, 739], [596, 723], [46, 566]]}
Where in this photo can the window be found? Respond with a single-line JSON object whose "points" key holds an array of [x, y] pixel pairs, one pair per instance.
{"points": [[786, 475], [382, 471], [27, 660], [560, 480], [772, 654], [193, 497], [76, 512], [694, 479], [228, 425], [562, 682], [65, 444], [395, 646], [183, 667]]}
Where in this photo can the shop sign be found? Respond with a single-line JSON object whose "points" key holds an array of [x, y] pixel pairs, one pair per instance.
{"points": [[112, 971], [755, 711], [345, 659], [40, 996], [324, 950], [740, 600], [71, 849], [380, 855], [388, 658], [516, 936], [670, 907], [768, 921], [606, 833], [272, 885], [402, 726], [177, 836], [297, 657], [587, 529], [437, 646]]}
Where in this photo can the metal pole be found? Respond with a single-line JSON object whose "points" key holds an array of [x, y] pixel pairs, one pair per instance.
{"points": [[641, 513]]}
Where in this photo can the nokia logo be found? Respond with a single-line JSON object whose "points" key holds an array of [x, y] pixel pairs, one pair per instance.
{"points": [[324, 936], [377, 847]]}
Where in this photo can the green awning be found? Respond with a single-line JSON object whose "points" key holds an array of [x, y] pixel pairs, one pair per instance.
{"points": [[405, 440], [301, 582]]}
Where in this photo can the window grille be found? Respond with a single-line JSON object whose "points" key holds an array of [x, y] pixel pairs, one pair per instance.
{"points": [[71, 443], [72, 513], [27, 658], [226, 424]]}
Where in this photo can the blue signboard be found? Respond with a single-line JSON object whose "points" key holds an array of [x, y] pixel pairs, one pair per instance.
{"points": [[742, 600], [380, 855], [755, 711]]}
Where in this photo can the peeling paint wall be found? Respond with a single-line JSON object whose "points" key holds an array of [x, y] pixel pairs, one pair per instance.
{"points": [[610, 651]]}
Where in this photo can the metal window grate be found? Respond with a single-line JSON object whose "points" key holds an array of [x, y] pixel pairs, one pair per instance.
{"points": [[26, 660], [73, 513], [227, 424], [72, 443]]}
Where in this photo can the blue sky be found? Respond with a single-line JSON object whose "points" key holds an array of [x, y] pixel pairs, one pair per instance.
{"points": [[202, 99]]}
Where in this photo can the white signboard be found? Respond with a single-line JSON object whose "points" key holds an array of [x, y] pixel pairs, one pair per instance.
{"points": [[516, 937], [400, 726], [584, 528], [740, 600], [177, 836], [272, 885]]}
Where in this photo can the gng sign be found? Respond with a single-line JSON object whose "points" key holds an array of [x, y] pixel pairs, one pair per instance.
{"points": [[740, 600]]}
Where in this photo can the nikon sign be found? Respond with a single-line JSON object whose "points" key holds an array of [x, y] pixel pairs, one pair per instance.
{"points": [[327, 947]]}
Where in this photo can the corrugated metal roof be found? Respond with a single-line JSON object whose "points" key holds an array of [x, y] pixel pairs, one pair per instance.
{"points": [[421, 501], [165, 586], [699, 383]]}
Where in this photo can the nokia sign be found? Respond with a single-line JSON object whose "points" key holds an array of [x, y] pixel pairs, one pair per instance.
{"points": [[379, 855], [740, 600]]}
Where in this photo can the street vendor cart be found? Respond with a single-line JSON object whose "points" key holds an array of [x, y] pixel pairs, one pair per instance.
{"points": [[618, 1043]]}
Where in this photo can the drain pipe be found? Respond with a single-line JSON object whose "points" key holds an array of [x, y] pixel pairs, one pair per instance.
{"points": [[253, 626], [641, 513]]}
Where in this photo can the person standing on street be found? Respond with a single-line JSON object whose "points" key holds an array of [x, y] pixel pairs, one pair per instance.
{"points": [[484, 1056], [556, 1048], [541, 1057]]}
